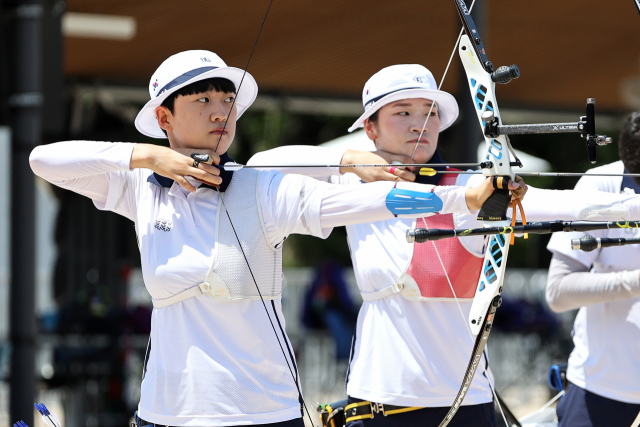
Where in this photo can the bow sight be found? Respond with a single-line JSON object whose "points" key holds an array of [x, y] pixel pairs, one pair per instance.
{"points": [[586, 126]]}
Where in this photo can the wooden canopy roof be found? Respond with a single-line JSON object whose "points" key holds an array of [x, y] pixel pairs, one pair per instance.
{"points": [[566, 50]]}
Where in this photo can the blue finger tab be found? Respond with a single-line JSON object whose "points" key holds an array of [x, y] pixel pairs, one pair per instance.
{"points": [[407, 202]]}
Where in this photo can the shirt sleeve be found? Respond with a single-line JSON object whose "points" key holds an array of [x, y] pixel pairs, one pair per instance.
{"points": [[571, 286], [95, 169], [579, 204], [299, 204]]}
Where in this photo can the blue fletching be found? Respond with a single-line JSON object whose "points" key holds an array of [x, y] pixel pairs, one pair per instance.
{"points": [[43, 409]]}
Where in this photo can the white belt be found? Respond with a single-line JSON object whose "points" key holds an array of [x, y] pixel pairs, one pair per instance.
{"points": [[382, 293], [193, 291]]}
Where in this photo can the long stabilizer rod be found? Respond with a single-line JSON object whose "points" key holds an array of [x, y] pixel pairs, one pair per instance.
{"points": [[421, 235], [590, 243]]}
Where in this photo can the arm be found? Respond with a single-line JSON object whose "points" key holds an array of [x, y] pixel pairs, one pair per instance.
{"points": [[569, 205], [571, 286], [81, 166], [84, 166], [292, 155], [585, 202], [297, 204]]}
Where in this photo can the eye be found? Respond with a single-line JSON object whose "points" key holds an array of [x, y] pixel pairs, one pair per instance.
{"points": [[229, 99], [203, 99], [403, 113]]}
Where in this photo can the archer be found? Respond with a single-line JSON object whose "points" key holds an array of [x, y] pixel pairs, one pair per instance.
{"points": [[412, 341]]}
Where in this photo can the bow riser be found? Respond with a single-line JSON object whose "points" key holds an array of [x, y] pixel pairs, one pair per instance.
{"points": [[483, 93], [492, 275]]}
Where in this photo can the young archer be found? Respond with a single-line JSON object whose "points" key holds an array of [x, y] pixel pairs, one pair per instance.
{"points": [[412, 343]]}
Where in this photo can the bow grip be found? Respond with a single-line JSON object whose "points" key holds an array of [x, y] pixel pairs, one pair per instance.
{"points": [[495, 207]]}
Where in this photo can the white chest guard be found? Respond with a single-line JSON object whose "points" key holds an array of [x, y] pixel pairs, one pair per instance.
{"points": [[229, 277]]}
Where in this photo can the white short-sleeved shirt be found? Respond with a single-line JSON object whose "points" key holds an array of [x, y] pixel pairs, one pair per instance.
{"points": [[606, 357]]}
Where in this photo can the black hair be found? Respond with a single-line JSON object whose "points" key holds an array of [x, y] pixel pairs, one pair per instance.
{"points": [[629, 144], [374, 117], [218, 84]]}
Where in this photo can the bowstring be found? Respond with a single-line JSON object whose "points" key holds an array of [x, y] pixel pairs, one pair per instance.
{"points": [[446, 70], [464, 320], [295, 380], [244, 74], [424, 126]]}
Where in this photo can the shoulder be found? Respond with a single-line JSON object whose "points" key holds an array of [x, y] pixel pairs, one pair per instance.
{"points": [[610, 184]]}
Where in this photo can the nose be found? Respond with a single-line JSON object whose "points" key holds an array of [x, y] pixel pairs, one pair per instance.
{"points": [[219, 111], [417, 126]]}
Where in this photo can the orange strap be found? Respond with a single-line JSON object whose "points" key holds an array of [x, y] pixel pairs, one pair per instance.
{"points": [[516, 204]]}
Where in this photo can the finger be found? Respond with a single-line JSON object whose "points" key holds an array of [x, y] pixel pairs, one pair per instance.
{"points": [[514, 185], [208, 178], [209, 169], [387, 176], [185, 184], [405, 175]]}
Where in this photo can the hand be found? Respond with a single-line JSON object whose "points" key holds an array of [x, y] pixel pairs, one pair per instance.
{"points": [[476, 196], [176, 163], [519, 192], [353, 157]]}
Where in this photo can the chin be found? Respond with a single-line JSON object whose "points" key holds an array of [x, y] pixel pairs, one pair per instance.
{"points": [[422, 155]]}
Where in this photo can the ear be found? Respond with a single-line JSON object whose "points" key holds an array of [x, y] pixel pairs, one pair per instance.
{"points": [[371, 129], [164, 116]]}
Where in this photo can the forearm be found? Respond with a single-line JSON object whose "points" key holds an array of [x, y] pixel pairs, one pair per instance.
{"points": [[378, 201], [570, 205], [289, 156], [571, 286]]}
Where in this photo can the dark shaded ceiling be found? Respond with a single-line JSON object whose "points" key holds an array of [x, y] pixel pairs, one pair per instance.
{"points": [[567, 50]]}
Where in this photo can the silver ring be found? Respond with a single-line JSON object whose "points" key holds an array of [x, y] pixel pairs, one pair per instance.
{"points": [[195, 163]]}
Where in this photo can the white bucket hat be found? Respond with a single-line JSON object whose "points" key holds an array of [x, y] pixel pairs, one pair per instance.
{"points": [[405, 81], [183, 69]]}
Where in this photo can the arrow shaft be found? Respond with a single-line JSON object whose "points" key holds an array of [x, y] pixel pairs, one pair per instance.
{"points": [[564, 174]]}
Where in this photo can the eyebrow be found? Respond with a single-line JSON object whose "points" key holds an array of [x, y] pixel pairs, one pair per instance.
{"points": [[405, 104]]}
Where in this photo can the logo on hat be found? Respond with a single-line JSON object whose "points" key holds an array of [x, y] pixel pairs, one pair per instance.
{"points": [[418, 79], [155, 85], [205, 60]]}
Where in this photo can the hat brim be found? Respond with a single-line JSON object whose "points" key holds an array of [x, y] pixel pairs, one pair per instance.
{"points": [[447, 105], [147, 123]]}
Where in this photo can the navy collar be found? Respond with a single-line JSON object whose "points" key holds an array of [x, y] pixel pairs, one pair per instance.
{"points": [[629, 182], [433, 180], [163, 181]]}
